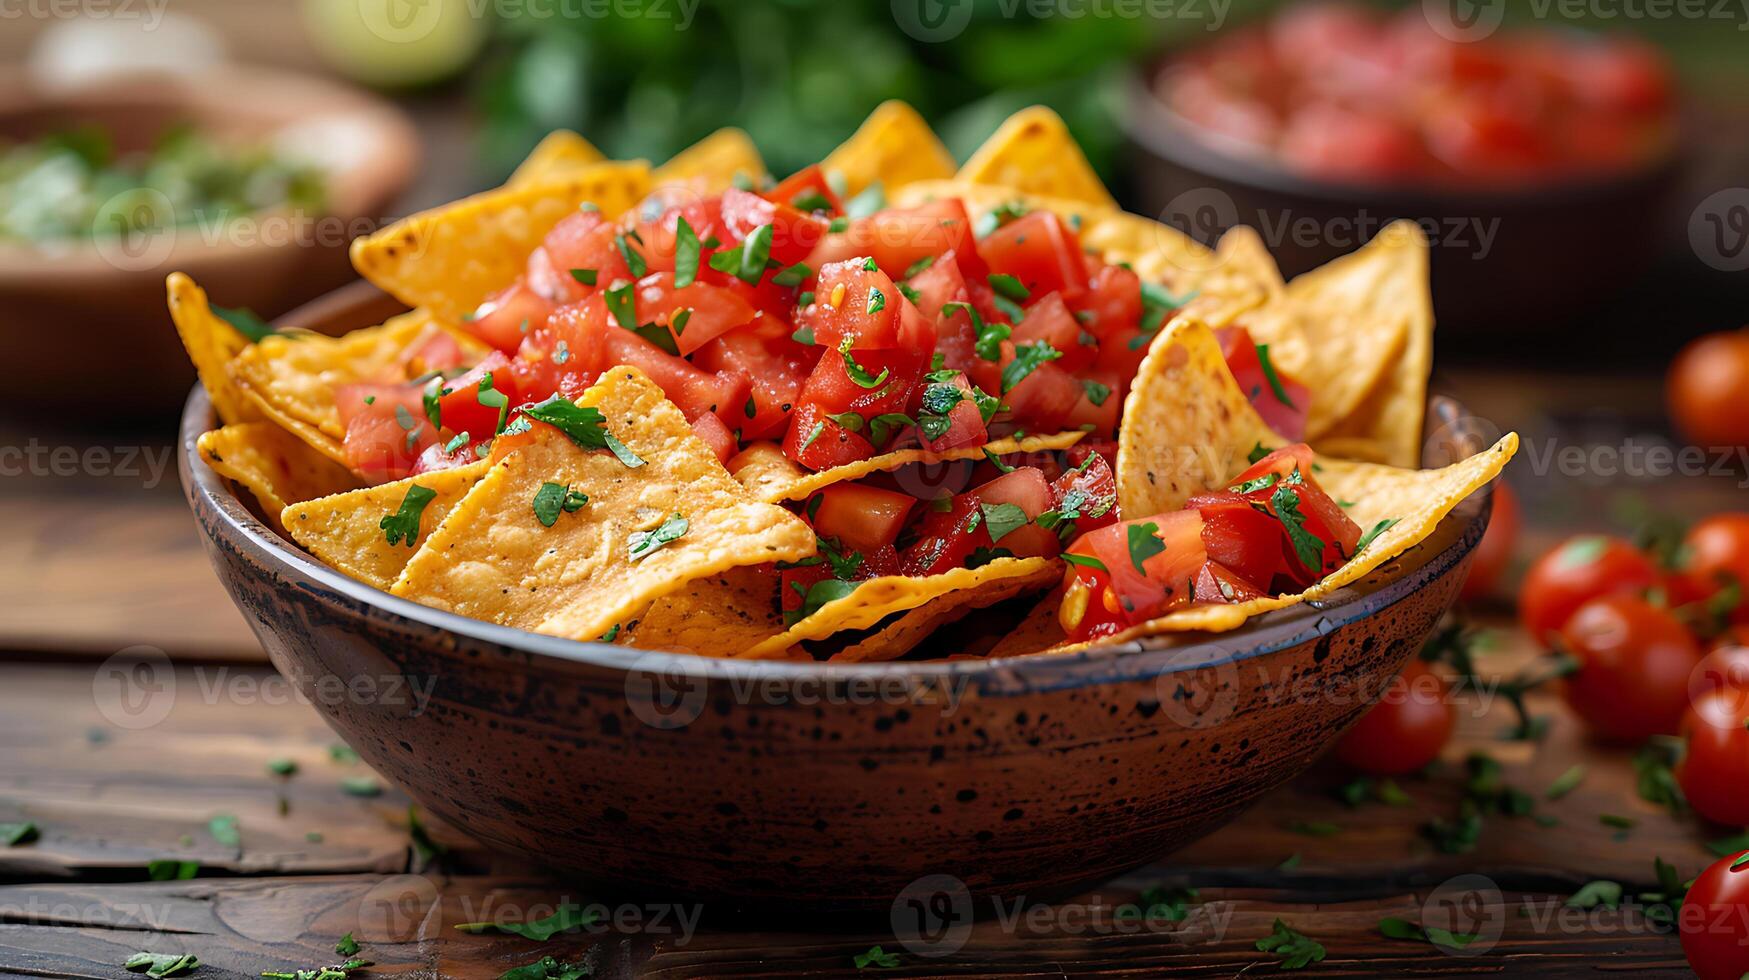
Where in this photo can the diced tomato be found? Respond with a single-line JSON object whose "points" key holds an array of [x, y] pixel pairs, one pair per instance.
{"points": [[1040, 251], [1089, 489], [798, 579], [584, 240], [658, 240], [1321, 516], [818, 443], [566, 352], [1048, 319], [1217, 583], [774, 368], [695, 391], [793, 234], [1043, 400], [863, 518], [946, 538], [1246, 541], [831, 386], [551, 283], [461, 409], [854, 301], [1101, 405], [508, 315], [716, 435], [714, 310], [1128, 592], [386, 429], [965, 420], [435, 349], [1282, 402], [808, 182], [1113, 303], [899, 238], [937, 287]]}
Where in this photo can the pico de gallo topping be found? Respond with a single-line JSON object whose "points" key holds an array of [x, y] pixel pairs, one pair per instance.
{"points": [[840, 331], [1272, 531]]}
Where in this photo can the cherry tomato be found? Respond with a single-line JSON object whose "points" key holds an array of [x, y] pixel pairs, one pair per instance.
{"points": [[1714, 771], [1635, 665], [1579, 569], [1708, 390], [1716, 553], [1405, 730], [1714, 920], [1494, 552]]}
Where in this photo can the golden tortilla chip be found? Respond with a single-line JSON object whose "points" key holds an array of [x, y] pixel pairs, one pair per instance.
{"points": [[492, 559], [1417, 500], [1348, 327], [715, 616], [345, 530], [276, 466], [298, 373], [1033, 152], [561, 152], [893, 147], [898, 638], [773, 477], [1187, 426], [449, 259], [877, 598], [211, 344], [714, 162]]}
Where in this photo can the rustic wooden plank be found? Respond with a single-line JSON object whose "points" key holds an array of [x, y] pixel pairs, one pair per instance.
{"points": [[239, 927], [109, 798]]}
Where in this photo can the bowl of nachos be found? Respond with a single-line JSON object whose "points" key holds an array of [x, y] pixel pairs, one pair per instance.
{"points": [[764, 539]]}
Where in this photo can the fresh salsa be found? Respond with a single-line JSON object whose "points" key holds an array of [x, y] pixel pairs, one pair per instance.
{"points": [[840, 331], [1344, 92]]}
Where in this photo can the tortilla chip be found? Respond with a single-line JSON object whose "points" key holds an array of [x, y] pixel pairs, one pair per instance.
{"points": [[773, 477], [561, 152], [276, 466], [345, 530], [449, 259], [211, 344], [1346, 327], [714, 616], [492, 560], [1416, 499], [877, 598], [898, 638], [1038, 632], [1187, 426], [714, 162], [893, 147], [297, 373], [1033, 152]]}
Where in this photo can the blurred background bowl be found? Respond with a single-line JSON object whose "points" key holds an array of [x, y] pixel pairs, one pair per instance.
{"points": [[87, 315]]}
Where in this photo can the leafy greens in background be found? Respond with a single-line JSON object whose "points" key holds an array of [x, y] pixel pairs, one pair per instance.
{"points": [[799, 75]]}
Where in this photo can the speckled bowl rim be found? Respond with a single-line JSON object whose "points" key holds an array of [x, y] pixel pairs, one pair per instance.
{"points": [[1140, 659]]}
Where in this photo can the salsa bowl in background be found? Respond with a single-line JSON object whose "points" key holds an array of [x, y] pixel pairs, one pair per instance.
{"points": [[1541, 163], [86, 313], [836, 785]]}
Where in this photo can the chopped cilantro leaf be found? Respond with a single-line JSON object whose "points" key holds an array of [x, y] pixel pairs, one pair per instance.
{"points": [[404, 523], [584, 276], [552, 499], [1027, 358], [857, 372], [1002, 519], [1009, 287], [1086, 561], [686, 252], [1096, 393], [1372, 535], [792, 276], [1308, 547], [644, 543], [584, 426], [1273, 378], [245, 321], [623, 305], [1145, 543]]}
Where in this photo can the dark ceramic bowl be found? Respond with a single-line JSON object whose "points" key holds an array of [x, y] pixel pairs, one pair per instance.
{"points": [[1503, 261], [821, 785]]}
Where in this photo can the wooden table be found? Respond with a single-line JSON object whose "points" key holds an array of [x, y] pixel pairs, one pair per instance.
{"points": [[94, 564]]}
